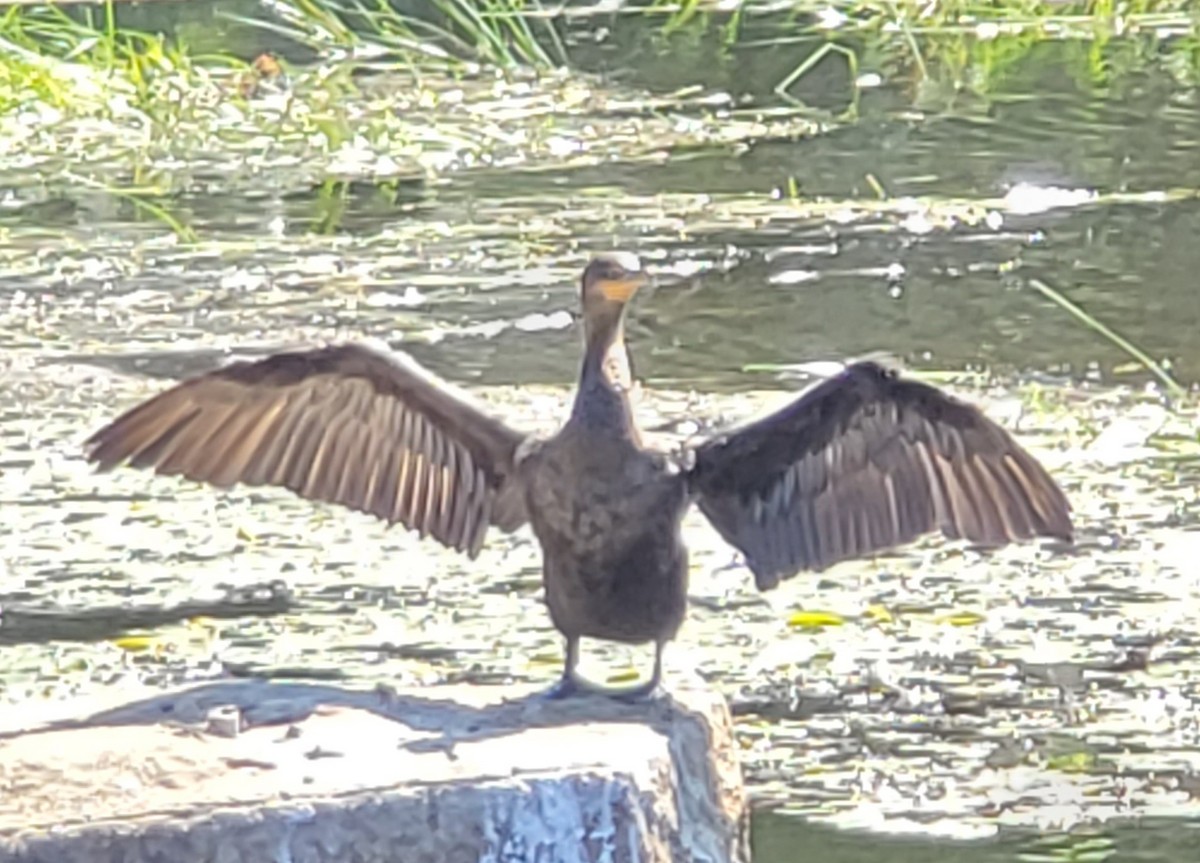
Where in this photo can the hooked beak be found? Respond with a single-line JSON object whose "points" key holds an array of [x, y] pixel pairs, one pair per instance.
{"points": [[622, 290]]}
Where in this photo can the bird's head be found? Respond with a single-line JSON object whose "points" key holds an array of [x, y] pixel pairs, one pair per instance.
{"points": [[611, 279]]}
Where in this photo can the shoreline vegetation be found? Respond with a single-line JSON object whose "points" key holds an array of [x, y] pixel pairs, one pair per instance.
{"points": [[115, 101], [148, 105]]}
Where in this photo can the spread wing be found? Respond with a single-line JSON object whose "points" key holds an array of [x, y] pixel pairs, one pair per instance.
{"points": [[865, 461], [345, 424]]}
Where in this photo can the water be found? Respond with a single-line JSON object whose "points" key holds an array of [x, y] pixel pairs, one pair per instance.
{"points": [[472, 271], [781, 839]]}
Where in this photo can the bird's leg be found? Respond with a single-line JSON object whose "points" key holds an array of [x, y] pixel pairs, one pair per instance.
{"points": [[568, 684], [656, 675], [571, 684], [651, 686]]}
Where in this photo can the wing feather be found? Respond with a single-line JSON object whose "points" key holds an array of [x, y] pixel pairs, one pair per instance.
{"points": [[866, 461], [344, 424]]}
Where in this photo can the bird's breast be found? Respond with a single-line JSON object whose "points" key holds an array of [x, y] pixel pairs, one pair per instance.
{"points": [[591, 501]]}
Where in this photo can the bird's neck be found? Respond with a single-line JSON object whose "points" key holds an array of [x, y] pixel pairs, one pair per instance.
{"points": [[606, 378]]}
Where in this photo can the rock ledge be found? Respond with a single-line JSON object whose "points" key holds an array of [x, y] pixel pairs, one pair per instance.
{"points": [[261, 771]]}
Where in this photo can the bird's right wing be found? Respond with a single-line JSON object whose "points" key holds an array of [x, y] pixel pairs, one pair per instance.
{"points": [[865, 461], [344, 424]]}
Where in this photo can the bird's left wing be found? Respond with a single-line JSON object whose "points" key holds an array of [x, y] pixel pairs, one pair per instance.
{"points": [[865, 461]]}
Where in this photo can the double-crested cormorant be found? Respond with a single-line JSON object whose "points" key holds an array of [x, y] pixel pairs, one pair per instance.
{"points": [[858, 463]]}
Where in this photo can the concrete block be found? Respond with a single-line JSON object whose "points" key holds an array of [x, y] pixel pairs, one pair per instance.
{"points": [[268, 772]]}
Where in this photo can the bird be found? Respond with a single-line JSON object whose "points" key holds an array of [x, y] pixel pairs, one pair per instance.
{"points": [[863, 461]]}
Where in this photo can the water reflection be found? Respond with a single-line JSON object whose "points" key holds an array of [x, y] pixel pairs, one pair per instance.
{"points": [[780, 839]]}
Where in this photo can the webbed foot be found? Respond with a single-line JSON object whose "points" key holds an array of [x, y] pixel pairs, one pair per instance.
{"points": [[651, 690], [568, 686]]}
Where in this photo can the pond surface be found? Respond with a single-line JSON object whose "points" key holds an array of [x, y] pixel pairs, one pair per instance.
{"points": [[782, 237]]}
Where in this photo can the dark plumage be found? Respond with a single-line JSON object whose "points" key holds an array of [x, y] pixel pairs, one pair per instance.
{"points": [[859, 463]]}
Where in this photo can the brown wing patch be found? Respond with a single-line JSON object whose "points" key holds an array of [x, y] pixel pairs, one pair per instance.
{"points": [[344, 425]]}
